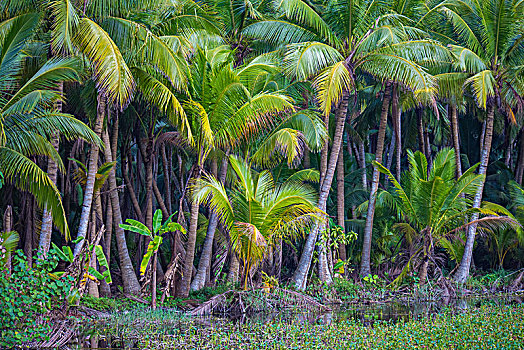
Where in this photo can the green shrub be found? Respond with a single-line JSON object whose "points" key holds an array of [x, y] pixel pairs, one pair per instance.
{"points": [[28, 295]]}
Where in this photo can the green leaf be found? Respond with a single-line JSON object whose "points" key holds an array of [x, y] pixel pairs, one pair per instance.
{"points": [[103, 262], [151, 249], [157, 220], [137, 227]]}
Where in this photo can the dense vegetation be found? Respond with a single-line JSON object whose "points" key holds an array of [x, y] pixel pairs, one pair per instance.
{"points": [[187, 144]]}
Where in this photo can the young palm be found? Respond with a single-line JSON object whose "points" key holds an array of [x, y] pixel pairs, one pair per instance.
{"points": [[224, 108], [257, 212], [435, 205]]}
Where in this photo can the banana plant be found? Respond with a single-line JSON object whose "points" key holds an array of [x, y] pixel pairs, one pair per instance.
{"points": [[155, 235]]}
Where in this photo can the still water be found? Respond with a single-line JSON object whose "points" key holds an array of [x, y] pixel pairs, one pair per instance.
{"points": [[367, 314]]}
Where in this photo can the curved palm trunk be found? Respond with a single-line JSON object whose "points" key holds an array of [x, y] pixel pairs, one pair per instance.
{"points": [[205, 258], [456, 140], [91, 175], [190, 250], [340, 200], [300, 276], [365, 265], [463, 270], [129, 278]]}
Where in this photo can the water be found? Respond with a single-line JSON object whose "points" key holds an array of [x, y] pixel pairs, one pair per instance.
{"points": [[367, 314]]}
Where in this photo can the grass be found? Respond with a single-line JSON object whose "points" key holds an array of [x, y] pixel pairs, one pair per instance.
{"points": [[489, 326]]}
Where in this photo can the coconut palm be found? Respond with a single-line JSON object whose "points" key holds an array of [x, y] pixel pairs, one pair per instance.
{"points": [[434, 204], [488, 48], [338, 47], [26, 108], [257, 212], [224, 108]]}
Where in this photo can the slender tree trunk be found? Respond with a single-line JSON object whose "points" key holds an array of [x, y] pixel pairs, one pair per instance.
{"points": [[234, 268], [129, 278], [46, 229], [341, 200], [520, 167], [462, 272], [205, 257], [420, 128], [132, 194], [306, 161], [324, 153], [91, 175], [397, 126], [456, 140], [7, 221], [300, 276], [47, 220], [190, 250], [365, 265], [167, 176]]}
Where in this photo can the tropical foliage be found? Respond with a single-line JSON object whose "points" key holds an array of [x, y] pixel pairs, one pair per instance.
{"points": [[262, 125]]}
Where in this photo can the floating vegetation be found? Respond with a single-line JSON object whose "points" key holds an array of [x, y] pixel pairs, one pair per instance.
{"points": [[486, 327]]}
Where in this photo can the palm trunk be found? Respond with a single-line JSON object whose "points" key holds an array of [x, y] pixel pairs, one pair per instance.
{"points": [[129, 278], [340, 200], [463, 270], [190, 250], [167, 176], [324, 153], [397, 126], [300, 276], [420, 129], [519, 172], [47, 220], [7, 221], [205, 258], [456, 140], [234, 268], [365, 264], [91, 174], [46, 229]]}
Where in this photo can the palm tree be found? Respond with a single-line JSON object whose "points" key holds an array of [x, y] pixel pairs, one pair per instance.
{"points": [[488, 48], [257, 212], [435, 205], [349, 40], [28, 121], [224, 107]]}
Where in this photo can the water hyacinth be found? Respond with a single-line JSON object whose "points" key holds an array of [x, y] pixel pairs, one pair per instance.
{"points": [[487, 327]]}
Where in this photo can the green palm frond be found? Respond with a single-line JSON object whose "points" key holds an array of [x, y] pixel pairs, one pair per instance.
{"points": [[483, 86], [27, 176], [112, 75], [332, 83], [303, 14], [65, 23], [47, 77], [161, 95], [304, 60]]}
